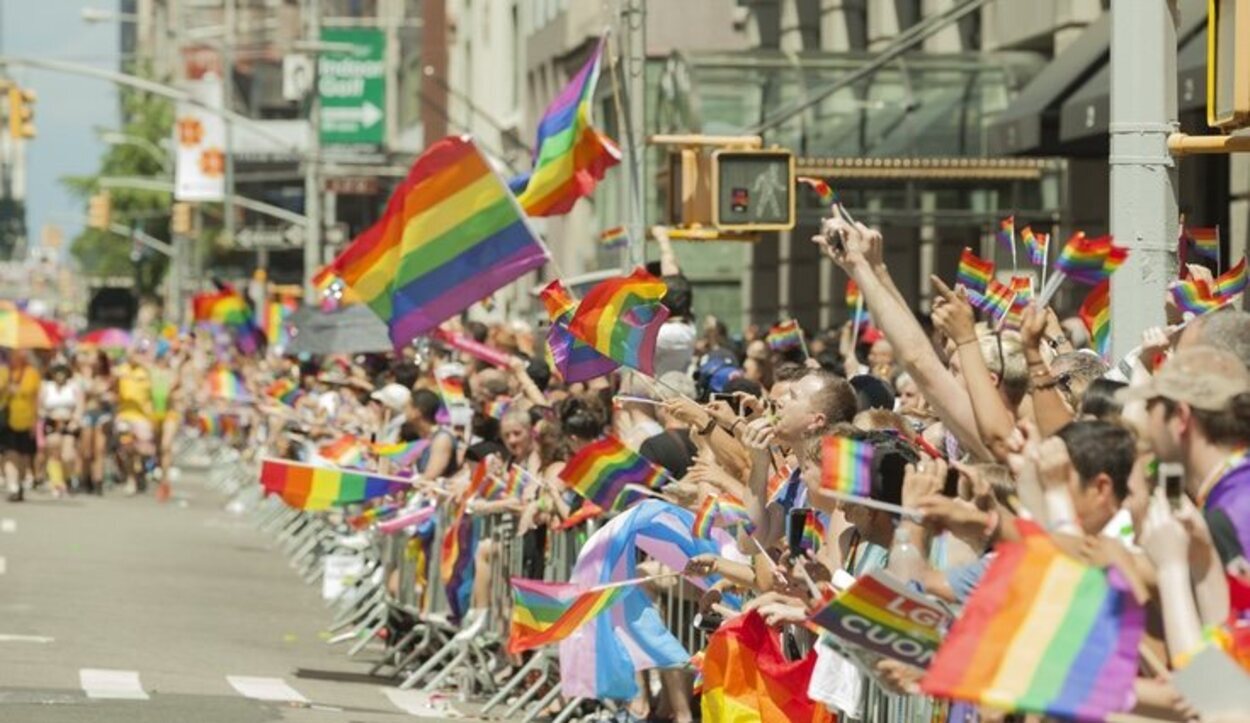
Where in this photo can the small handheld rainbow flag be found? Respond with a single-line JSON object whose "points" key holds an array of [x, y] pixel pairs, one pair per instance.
{"points": [[601, 470], [346, 451], [997, 301], [785, 336], [450, 378], [497, 407], [853, 297], [1036, 244], [1096, 313], [1090, 260], [846, 466], [576, 360], [1194, 296], [614, 238], [621, 318], [403, 454], [974, 272], [1006, 233], [731, 512], [225, 384], [308, 487], [1231, 282], [1205, 241], [813, 532], [704, 518], [285, 390], [822, 189], [1042, 633], [548, 612]]}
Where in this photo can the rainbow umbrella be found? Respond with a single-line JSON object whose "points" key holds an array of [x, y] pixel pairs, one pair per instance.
{"points": [[19, 330], [110, 338]]}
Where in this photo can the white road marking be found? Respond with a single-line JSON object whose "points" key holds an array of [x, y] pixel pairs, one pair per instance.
{"points": [[113, 684], [274, 689], [8, 524], [415, 702], [25, 638]]}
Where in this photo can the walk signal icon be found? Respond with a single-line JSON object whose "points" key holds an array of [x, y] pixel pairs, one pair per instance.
{"points": [[753, 190]]}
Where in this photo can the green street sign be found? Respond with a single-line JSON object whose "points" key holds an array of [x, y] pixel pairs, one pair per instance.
{"points": [[352, 88]]}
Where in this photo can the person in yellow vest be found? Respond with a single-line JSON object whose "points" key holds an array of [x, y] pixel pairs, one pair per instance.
{"points": [[19, 398], [134, 418]]}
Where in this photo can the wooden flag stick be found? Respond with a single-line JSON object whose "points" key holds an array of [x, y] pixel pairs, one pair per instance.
{"points": [[907, 512]]}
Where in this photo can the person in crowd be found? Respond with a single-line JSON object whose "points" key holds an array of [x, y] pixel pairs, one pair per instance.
{"points": [[674, 346], [20, 383], [133, 425], [61, 411], [97, 392]]}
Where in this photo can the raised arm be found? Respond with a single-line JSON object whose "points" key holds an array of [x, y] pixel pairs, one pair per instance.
{"points": [[668, 259]]}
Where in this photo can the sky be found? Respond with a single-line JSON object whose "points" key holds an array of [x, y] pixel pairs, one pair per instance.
{"points": [[68, 106]]}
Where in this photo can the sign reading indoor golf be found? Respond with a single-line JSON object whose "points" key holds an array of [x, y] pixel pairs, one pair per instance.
{"points": [[351, 85]]}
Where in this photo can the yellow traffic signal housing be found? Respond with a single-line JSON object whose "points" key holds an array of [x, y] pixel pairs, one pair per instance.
{"points": [[100, 211], [21, 112], [1228, 64], [180, 222], [753, 190]]}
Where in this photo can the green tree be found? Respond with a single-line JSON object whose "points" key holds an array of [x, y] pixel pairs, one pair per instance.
{"points": [[102, 253]]}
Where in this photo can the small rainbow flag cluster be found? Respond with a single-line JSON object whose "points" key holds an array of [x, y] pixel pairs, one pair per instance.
{"points": [[346, 451], [621, 318], [785, 336], [1195, 296], [1096, 313], [1042, 633], [274, 323], [1090, 260], [548, 612], [576, 360], [225, 384], [1036, 244], [974, 273], [497, 407], [614, 238], [997, 301], [1006, 233], [601, 470], [846, 466], [285, 390], [822, 189], [724, 511], [307, 487], [1205, 241]]}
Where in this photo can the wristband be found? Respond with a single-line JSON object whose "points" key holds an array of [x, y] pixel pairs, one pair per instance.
{"points": [[707, 428], [959, 344]]}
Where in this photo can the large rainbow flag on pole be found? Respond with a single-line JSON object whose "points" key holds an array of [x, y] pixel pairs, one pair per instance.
{"points": [[451, 235], [1043, 633], [571, 155], [621, 318], [308, 487], [576, 360]]}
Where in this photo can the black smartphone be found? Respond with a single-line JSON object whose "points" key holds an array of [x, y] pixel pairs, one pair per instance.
{"points": [[794, 531], [950, 488], [707, 622], [1172, 477]]}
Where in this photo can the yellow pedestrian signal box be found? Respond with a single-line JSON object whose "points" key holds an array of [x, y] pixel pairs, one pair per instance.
{"points": [[180, 221], [753, 190], [21, 112], [1228, 64], [100, 211]]}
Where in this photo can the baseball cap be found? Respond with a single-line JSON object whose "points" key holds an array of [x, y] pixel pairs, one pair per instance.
{"points": [[395, 397], [1203, 377]]}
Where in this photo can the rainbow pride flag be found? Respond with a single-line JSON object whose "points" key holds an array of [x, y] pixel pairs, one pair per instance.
{"points": [[997, 301], [450, 379], [1231, 282], [1090, 260], [274, 322], [548, 612], [451, 235], [1194, 296], [614, 238], [455, 562], [853, 297], [748, 678], [974, 273], [1006, 233], [704, 518], [403, 454], [1096, 313], [225, 384], [1042, 633], [497, 407], [785, 336], [601, 470], [225, 308], [820, 187], [813, 532], [346, 451], [846, 466], [571, 155], [1036, 244], [723, 511], [621, 318], [285, 390], [576, 360], [1205, 241], [308, 487]]}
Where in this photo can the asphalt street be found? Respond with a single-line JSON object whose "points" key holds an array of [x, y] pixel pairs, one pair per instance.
{"points": [[126, 609]]}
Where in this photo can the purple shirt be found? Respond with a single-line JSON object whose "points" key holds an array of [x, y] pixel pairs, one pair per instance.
{"points": [[1227, 511]]}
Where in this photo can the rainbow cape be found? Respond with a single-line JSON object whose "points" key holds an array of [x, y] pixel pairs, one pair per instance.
{"points": [[601, 470], [784, 336], [450, 236], [621, 318], [571, 155], [1036, 244], [548, 612], [1042, 633], [974, 273], [576, 360], [308, 487], [846, 466], [1096, 313]]}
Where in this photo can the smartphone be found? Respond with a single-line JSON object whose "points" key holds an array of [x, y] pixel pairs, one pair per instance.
{"points": [[794, 531], [707, 622], [1172, 478], [950, 487]]}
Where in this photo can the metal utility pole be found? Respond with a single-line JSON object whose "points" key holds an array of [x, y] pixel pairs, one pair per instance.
{"points": [[227, 100], [1143, 172], [312, 180], [633, 60]]}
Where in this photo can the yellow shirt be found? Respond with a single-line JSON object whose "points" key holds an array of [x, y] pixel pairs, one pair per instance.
{"points": [[22, 397], [134, 393]]}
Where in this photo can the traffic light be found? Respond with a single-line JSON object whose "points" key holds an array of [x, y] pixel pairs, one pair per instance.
{"points": [[753, 190], [180, 223], [21, 112], [1228, 64], [100, 211]]}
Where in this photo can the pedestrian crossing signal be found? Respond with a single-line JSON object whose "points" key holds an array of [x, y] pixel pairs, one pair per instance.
{"points": [[99, 211], [753, 190], [21, 112]]}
